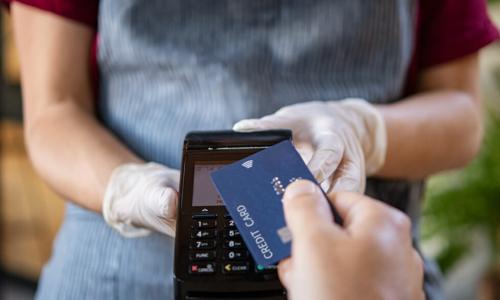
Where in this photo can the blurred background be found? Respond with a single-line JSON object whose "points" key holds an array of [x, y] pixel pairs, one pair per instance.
{"points": [[30, 213], [460, 227]]}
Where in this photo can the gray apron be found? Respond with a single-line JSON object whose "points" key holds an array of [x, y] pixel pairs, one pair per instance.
{"points": [[172, 66]]}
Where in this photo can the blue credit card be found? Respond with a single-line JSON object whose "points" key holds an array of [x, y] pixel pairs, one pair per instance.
{"points": [[252, 190]]}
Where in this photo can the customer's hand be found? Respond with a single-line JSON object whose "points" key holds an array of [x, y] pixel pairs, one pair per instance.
{"points": [[371, 257], [140, 198], [348, 139]]}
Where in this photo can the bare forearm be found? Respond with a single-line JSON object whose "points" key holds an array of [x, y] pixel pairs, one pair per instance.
{"points": [[74, 153], [430, 132]]}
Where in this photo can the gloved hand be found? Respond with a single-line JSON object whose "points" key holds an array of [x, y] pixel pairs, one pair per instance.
{"points": [[341, 141], [140, 198]]}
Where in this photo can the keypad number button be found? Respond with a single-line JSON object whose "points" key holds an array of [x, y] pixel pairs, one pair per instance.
{"points": [[203, 234], [205, 223], [229, 223], [232, 233], [234, 244], [235, 254], [210, 244]]}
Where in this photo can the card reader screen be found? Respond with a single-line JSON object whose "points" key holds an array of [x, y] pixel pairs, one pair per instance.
{"points": [[204, 193]]}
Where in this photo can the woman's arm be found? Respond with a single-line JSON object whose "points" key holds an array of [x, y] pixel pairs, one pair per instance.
{"points": [[69, 148], [438, 128]]}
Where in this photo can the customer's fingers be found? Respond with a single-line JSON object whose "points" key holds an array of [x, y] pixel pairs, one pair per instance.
{"points": [[305, 204], [345, 202], [419, 262], [362, 214], [284, 269], [352, 206]]}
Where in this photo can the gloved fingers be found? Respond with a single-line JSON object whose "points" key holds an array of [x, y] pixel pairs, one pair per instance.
{"points": [[252, 125], [160, 209], [169, 200], [268, 122], [160, 225], [170, 180], [301, 107], [324, 162], [327, 156], [327, 185], [350, 174], [114, 212], [140, 197], [369, 124], [167, 227], [349, 177], [157, 208], [161, 202], [161, 193], [306, 150], [156, 174]]}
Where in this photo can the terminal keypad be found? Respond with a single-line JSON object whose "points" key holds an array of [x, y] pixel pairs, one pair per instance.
{"points": [[216, 246]]}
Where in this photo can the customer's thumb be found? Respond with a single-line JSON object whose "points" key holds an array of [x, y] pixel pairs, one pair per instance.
{"points": [[305, 208]]}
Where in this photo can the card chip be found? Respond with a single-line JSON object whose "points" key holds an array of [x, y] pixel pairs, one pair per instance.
{"points": [[284, 234]]}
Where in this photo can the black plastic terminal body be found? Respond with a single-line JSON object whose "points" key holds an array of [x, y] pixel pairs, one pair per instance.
{"points": [[226, 139]]}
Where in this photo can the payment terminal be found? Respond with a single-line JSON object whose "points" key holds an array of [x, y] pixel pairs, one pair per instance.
{"points": [[211, 259]]}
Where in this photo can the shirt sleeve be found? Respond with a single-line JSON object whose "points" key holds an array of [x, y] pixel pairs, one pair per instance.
{"points": [[450, 29], [82, 11]]}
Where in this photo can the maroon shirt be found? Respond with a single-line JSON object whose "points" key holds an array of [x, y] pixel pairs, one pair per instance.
{"points": [[446, 29]]}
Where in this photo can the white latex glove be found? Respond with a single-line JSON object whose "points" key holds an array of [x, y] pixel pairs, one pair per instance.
{"points": [[341, 141], [140, 198]]}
